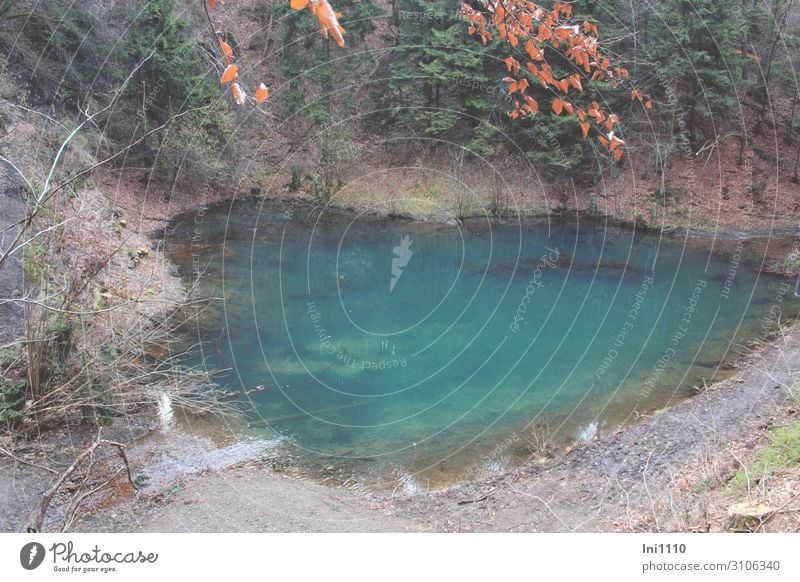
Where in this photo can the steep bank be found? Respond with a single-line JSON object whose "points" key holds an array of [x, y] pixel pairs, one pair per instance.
{"points": [[12, 213]]}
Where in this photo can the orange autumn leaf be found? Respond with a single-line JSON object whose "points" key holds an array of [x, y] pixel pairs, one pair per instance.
{"points": [[227, 52], [327, 20], [648, 105], [613, 120], [261, 94], [618, 154], [230, 74], [530, 28], [299, 4], [614, 142], [534, 51], [238, 95], [512, 65]]}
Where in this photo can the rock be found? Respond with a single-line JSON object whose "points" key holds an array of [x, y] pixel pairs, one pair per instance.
{"points": [[143, 251], [747, 516]]}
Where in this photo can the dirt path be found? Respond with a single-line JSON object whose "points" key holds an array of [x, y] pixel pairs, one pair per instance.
{"points": [[251, 500]]}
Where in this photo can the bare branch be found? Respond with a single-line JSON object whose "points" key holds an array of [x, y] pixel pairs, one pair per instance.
{"points": [[36, 522], [28, 463]]}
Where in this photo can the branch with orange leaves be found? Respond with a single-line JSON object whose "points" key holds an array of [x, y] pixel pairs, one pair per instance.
{"points": [[327, 17], [530, 28], [329, 24], [230, 75]]}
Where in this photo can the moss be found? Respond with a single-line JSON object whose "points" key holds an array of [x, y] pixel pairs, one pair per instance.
{"points": [[792, 261]]}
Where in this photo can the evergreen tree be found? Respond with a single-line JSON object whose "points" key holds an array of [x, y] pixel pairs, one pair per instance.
{"points": [[442, 81], [321, 89], [171, 79], [695, 46]]}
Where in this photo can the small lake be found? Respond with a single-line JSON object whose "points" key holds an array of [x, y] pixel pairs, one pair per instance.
{"points": [[403, 353]]}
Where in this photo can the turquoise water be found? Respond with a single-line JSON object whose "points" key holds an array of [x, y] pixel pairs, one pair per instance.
{"points": [[431, 353]]}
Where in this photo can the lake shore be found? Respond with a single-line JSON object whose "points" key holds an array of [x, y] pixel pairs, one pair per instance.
{"points": [[642, 478], [635, 463], [225, 486]]}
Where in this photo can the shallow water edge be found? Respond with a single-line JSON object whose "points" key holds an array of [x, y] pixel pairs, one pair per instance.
{"points": [[769, 248]]}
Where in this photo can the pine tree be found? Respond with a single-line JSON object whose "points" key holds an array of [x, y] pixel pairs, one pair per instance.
{"points": [[695, 46], [173, 78], [440, 81]]}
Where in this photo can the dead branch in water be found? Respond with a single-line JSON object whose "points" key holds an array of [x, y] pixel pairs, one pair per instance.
{"points": [[35, 523]]}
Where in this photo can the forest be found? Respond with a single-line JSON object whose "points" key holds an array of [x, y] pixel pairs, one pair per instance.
{"points": [[145, 144]]}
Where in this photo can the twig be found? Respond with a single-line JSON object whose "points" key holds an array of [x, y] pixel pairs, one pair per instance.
{"points": [[36, 522], [647, 490], [47, 191], [76, 503], [781, 509], [24, 462], [479, 499]]}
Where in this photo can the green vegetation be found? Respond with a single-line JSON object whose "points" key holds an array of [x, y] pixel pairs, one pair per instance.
{"points": [[171, 80], [782, 453], [12, 392]]}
